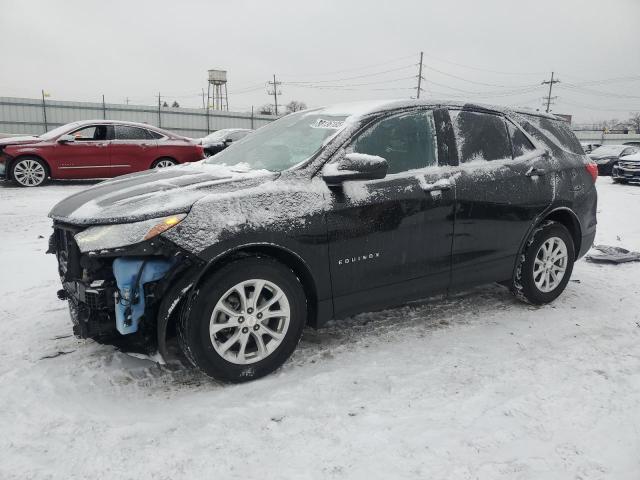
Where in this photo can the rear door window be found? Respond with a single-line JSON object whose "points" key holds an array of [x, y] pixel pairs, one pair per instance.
{"points": [[520, 144], [480, 136], [126, 132], [154, 135], [407, 141]]}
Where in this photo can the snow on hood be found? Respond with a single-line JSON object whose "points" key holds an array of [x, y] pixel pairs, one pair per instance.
{"points": [[634, 157], [607, 151], [18, 140], [153, 193]]}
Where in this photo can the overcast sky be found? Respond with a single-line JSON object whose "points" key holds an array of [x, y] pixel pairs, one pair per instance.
{"points": [[495, 51]]}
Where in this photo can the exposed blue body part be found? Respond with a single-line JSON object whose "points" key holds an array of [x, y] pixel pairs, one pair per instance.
{"points": [[130, 304]]}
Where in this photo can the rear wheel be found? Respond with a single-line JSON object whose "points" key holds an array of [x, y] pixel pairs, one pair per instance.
{"points": [[545, 266], [164, 163], [29, 172], [245, 321]]}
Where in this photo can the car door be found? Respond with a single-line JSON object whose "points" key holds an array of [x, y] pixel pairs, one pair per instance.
{"points": [[503, 183], [132, 150], [88, 156], [390, 239]]}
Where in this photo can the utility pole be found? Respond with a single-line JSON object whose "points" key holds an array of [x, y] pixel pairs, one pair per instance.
{"points": [[420, 78], [44, 112], [548, 98], [203, 100], [159, 116], [127, 100], [275, 92], [207, 109], [104, 109]]}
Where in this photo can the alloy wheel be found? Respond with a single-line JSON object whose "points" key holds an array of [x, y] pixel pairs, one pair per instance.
{"points": [[165, 164], [29, 173], [550, 264], [249, 321]]}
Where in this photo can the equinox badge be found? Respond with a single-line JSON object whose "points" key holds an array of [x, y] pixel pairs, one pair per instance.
{"points": [[359, 258]]}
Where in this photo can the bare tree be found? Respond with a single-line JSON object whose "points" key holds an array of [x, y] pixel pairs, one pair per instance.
{"points": [[266, 110], [635, 121], [295, 106], [175, 104]]}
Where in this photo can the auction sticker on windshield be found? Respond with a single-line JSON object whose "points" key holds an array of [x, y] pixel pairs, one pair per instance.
{"points": [[333, 124]]}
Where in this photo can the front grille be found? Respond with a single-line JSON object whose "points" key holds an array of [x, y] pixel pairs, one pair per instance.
{"points": [[629, 165]]}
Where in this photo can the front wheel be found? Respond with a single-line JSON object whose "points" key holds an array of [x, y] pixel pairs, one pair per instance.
{"points": [[545, 266], [29, 172], [245, 321]]}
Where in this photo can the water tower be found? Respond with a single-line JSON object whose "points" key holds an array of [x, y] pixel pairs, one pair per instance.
{"points": [[218, 80]]}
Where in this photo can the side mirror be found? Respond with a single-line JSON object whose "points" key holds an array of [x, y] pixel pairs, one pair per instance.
{"points": [[227, 141], [355, 166], [66, 139]]}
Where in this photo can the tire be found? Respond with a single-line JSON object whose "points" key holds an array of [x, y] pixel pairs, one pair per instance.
{"points": [[29, 172], [218, 351], [528, 283], [164, 163], [618, 180]]}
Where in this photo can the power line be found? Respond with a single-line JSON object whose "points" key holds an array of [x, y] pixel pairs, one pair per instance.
{"points": [[473, 81], [482, 69], [351, 84], [353, 78], [590, 91], [360, 68]]}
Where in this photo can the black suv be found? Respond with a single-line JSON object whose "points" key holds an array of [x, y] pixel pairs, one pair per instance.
{"points": [[323, 214]]}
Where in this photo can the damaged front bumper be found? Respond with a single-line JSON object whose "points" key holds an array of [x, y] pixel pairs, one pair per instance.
{"points": [[626, 171], [125, 295]]}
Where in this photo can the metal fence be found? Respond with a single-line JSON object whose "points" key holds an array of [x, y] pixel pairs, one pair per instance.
{"points": [[36, 116]]}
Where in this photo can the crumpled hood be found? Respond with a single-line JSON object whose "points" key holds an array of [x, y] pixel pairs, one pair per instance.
{"points": [[153, 193], [18, 140]]}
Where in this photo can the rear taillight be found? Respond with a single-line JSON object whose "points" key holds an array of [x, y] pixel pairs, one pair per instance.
{"points": [[200, 150], [592, 168]]}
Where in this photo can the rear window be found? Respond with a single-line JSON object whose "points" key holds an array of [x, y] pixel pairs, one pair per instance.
{"points": [[126, 132], [554, 133]]}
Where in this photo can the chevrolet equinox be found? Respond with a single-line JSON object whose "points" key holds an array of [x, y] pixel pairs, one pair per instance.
{"points": [[322, 214]]}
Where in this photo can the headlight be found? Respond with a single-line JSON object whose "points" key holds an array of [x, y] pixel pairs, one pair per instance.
{"points": [[104, 237], [603, 161]]}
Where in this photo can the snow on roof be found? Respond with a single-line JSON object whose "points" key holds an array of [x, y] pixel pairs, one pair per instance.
{"points": [[356, 110], [122, 122]]}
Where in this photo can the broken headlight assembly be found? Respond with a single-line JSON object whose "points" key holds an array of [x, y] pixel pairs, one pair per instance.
{"points": [[106, 237]]}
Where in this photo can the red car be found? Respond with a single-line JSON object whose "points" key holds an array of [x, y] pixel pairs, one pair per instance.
{"points": [[93, 149]]}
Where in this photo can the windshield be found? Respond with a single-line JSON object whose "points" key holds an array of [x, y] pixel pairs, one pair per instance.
{"points": [[283, 143], [57, 131], [608, 150]]}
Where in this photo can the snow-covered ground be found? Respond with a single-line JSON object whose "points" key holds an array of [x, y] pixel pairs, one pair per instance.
{"points": [[478, 386]]}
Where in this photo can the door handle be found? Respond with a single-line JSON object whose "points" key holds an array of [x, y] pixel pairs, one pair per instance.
{"points": [[535, 172], [440, 185]]}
